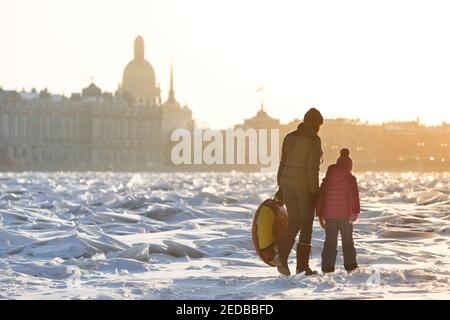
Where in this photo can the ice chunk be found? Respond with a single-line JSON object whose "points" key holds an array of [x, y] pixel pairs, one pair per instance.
{"points": [[138, 252], [180, 250]]}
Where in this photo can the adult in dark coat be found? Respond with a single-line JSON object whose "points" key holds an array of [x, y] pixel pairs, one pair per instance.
{"points": [[298, 181]]}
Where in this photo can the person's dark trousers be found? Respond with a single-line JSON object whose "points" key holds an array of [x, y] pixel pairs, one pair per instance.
{"points": [[300, 205], [332, 228]]}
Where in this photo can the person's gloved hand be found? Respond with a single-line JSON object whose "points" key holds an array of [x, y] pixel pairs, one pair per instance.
{"points": [[353, 218], [322, 222], [279, 195]]}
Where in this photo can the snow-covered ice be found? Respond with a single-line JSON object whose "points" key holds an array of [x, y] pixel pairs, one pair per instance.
{"points": [[187, 236]]}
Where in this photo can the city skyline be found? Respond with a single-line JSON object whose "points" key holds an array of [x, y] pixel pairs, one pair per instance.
{"points": [[389, 68]]}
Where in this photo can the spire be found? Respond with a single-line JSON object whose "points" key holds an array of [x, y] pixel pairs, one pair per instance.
{"points": [[171, 91], [139, 50], [261, 91]]}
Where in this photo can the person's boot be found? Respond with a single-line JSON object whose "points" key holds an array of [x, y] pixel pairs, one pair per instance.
{"points": [[303, 253], [328, 268], [281, 259], [351, 268]]}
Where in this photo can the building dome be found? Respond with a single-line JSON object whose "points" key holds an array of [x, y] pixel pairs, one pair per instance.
{"points": [[92, 91], [139, 76]]}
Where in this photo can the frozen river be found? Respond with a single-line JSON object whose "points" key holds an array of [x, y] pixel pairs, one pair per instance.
{"points": [[187, 236]]}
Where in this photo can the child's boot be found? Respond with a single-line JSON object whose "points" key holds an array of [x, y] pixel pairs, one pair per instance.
{"points": [[351, 268], [329, 268]]}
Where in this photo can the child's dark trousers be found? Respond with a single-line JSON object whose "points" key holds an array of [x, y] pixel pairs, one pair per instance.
{"points": [[329, 253]]}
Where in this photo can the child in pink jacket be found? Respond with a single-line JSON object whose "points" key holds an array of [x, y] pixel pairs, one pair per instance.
{"points": [[338, 208]]}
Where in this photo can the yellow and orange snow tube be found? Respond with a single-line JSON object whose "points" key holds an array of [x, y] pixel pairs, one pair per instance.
{"points": [[269, 224]]}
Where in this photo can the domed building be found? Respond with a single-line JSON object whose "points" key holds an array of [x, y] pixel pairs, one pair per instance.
{"points": [[93, 129], [261, 120], [91, 91], [139, 77]]}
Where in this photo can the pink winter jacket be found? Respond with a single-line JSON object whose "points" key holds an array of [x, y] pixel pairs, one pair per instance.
{"points": [[338, 195]]}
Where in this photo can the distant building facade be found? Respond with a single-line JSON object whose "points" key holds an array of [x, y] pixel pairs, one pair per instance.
{"points": [[93, 129], [131, 130], [392, 146]]}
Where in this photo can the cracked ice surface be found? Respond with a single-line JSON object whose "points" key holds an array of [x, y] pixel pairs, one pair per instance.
{"points": [[187, 236]]}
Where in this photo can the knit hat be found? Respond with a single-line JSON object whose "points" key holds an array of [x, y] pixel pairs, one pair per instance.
{"points": [[313, 117], [344, 161]]}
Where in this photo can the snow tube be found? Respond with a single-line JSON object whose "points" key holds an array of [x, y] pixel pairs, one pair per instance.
{"points": [[269, 224]]}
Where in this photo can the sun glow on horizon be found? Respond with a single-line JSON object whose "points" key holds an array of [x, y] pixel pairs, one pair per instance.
{"points": [[374, 61]]}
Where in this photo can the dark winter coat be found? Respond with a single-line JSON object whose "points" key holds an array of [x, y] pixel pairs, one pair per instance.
{"points": [[300, 160], [338, 196]]}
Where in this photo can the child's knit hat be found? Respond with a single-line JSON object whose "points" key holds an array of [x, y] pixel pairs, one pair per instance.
{"points": [[344, 161]]}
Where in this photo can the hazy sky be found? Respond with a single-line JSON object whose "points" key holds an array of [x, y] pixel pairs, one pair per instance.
{"points": [[377, 60]]}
